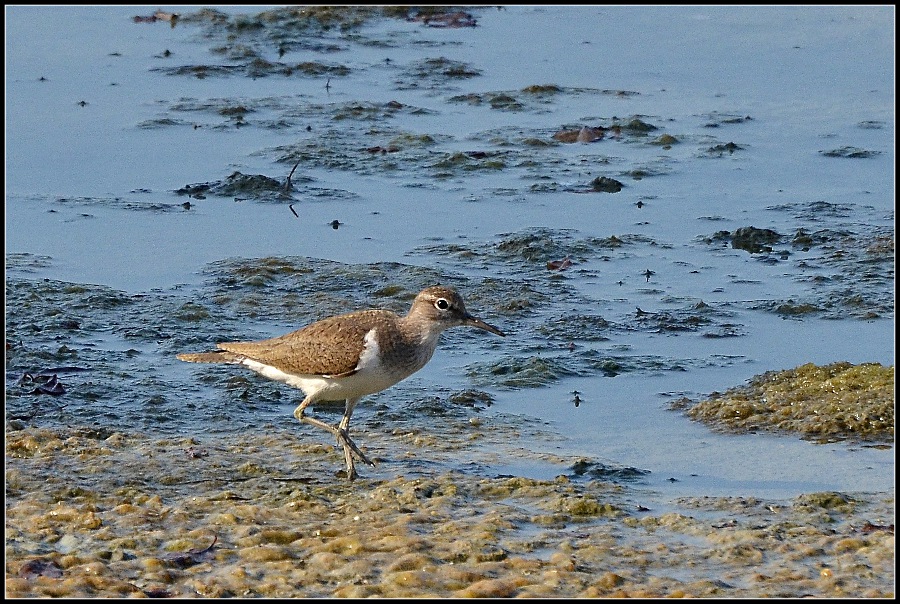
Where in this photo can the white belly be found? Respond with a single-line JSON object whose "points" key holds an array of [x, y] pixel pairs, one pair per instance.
{"points": [[368, 380]]}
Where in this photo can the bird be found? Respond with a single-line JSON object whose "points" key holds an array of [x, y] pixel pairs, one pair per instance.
{"points": [[349, 356]]}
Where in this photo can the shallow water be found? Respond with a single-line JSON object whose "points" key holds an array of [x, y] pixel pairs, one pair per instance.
{"points": [[130, 238]]}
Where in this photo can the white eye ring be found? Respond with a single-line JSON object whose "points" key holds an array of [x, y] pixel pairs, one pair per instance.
{"points": [[441, 304]]}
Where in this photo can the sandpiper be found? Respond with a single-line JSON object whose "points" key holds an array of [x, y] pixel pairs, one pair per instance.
{"points": [[350, 356]]}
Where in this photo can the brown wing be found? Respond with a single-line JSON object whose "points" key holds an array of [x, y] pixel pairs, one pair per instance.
{"points": [[328, 347]]}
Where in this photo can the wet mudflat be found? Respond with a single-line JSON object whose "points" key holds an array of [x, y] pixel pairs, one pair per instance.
{"points": [[676, 302], [96, 515]]}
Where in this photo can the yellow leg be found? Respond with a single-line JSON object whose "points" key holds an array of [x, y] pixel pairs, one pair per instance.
{"points": [[341, 432]]}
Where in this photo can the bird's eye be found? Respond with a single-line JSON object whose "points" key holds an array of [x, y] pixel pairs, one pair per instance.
{"points": [[441, 304]]}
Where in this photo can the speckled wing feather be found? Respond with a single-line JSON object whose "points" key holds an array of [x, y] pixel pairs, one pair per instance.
{"points": [[328, 347], [218, 356]]}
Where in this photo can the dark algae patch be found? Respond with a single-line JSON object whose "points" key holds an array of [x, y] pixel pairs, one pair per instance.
{"points": [[846, 273], [754, 240], [240, 186], [827, 403], [850, 152]]}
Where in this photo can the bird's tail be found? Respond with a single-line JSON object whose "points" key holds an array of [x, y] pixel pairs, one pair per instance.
{"points": [[220, 356]]}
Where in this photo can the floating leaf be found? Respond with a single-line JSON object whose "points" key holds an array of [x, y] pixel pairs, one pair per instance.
{"points": [[584, 135], [559, 265]]}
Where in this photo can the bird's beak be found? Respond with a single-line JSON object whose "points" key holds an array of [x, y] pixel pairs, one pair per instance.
{"points": [[473, 322]]}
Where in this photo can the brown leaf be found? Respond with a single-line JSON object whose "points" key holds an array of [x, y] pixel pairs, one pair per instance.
{"points": [[566, 136], [585, 135], [589, 135], [559, 265]]}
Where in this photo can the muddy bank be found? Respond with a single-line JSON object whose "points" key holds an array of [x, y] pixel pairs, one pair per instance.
{"points": [[128, 515]]}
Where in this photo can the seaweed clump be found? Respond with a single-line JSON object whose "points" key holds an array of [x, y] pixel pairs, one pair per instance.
{"points": [[840, 401]]}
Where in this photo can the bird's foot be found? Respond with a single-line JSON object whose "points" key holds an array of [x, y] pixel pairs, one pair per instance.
{"points": [[350, 449], [343, 438]]}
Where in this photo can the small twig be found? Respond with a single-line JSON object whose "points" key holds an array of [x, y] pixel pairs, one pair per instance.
{"points": [[288, 185]]}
